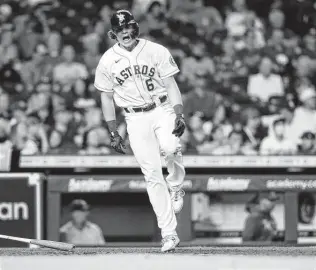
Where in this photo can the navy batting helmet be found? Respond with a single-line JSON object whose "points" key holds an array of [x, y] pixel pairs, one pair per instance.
{"points": [[121, 19]]}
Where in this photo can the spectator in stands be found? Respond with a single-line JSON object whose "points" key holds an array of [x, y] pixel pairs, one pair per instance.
{"points": [[58, 102], [91, 55], [253, 129], [63, 132], [105, 16], [38, 101], [54, 44], [309, 43], [81, 231], [5, 145], [37, 137], [207, 102], [80, 95], [236, 20], [67, 72], [307, 145], [304, 118], [197, 135], [5, 13], [29, 31], [55, 141], [276, 143], [155, 21], [103, 26], [205, 19], [218, 139], [277, 22], [199, 63], [234, 145], [96, 142], [7, 45], [4, 130], [253, 38], [228, 65], [265, 84], [38, 67], [91, 134], [18, 112], [283, 111], [20, 138], [10, 76], [276, 48], [260, 224], [4, 104], [121, 4], [303, 76]]}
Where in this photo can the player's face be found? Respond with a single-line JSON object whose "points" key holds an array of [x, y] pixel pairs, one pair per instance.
{"points": [[124, 35]]}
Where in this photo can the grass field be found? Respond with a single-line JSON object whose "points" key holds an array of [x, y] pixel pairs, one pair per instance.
{"points": [[210, 258]]}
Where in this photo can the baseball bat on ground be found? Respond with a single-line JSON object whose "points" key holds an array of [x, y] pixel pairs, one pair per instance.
{"points": [[41, 243]]}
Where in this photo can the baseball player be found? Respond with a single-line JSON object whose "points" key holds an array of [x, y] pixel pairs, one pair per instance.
{"points": [[138, 75]]}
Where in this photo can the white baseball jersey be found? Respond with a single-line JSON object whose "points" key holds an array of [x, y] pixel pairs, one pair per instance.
{"points": [[135, 77]]}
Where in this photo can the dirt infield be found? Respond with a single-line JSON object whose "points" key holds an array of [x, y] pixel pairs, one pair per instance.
{"points": [[249, 251], [208, 258]]}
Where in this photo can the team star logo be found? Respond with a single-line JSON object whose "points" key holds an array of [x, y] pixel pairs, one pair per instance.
{"points": [[121, 17]]}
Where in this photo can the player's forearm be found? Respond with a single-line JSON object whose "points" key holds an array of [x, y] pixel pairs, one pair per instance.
{"points": [[108, 109], [174, 95]]}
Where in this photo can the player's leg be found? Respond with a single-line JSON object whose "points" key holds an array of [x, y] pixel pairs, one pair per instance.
{"points": [[145, 147], [171, 148]]}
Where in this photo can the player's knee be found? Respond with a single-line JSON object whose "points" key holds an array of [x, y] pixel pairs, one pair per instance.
{"points": [[153, 175]]}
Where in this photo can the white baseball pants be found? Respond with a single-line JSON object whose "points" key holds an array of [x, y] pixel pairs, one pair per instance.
{"points": [[150, 133]]}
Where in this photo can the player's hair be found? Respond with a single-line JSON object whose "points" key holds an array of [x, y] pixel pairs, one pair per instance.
{"points": [[112, 35], [134, 34]]}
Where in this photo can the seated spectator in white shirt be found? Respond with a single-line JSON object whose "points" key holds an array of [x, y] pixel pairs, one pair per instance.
{"points": [[67, 72], [304, 116], [277, 143], [265, 84]]}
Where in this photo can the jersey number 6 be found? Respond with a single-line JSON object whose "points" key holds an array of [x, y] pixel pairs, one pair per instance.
{"points": [[149, 84]]}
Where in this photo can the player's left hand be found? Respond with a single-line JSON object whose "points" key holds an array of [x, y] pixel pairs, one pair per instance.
{"points": [[179, 126], [117, 143]]}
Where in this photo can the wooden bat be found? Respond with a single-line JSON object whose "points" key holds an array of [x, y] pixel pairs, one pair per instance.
{"points": [[41, 243]]}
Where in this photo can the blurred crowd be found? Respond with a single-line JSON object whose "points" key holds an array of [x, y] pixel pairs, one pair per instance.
{"points": [[247, 73]]}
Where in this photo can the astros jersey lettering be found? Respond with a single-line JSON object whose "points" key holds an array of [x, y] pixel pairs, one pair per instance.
{"points": [[135, 77]]}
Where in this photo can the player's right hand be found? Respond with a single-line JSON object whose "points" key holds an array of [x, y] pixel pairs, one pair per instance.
{"points": [[117, 142], [179, 126]]}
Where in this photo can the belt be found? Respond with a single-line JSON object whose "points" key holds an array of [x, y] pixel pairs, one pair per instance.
{"points": [[147, 108]]}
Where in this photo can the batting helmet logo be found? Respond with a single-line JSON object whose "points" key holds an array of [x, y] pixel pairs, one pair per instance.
{"points": [[121, 17]]}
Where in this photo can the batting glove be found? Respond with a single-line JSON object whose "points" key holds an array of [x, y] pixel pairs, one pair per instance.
{"points": [[179, 126], [117, 142]]}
